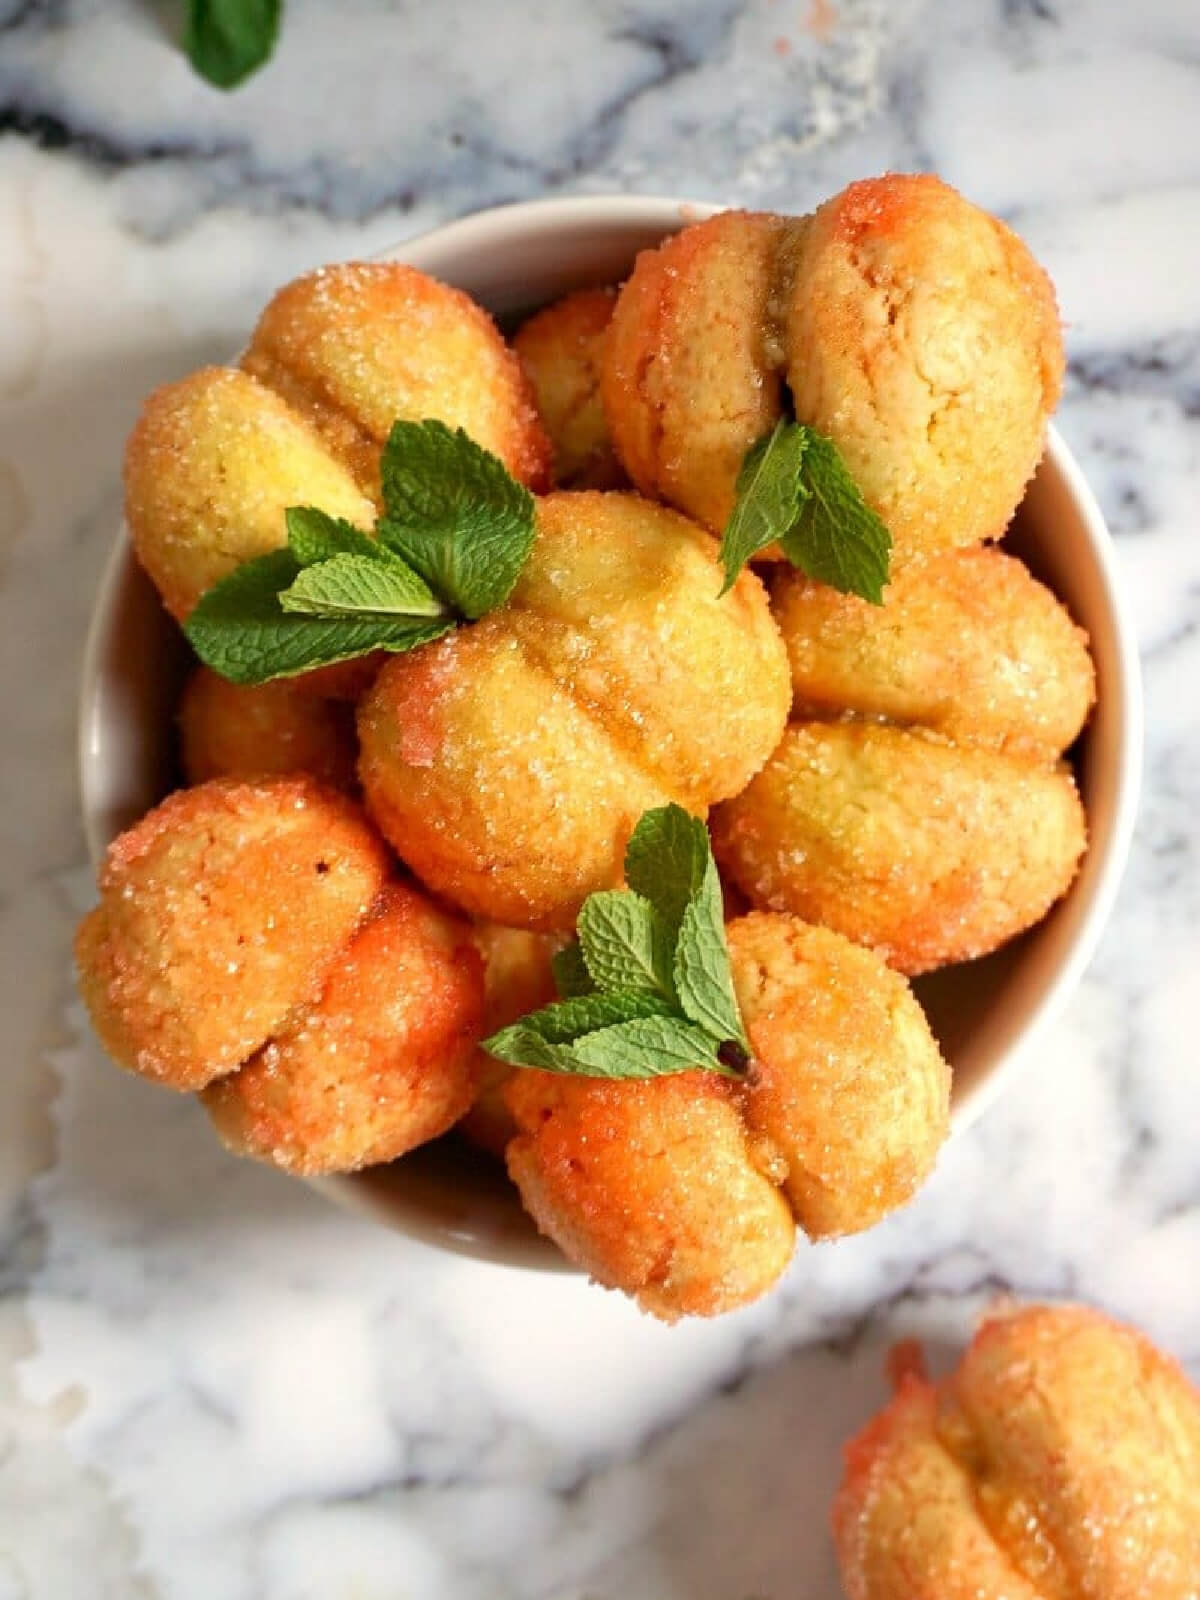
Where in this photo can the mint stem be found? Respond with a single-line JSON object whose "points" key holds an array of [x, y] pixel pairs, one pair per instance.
{"points": [[731, 1055]]}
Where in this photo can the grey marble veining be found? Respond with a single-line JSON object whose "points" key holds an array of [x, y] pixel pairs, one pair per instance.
{"points": [[212, 1384]]}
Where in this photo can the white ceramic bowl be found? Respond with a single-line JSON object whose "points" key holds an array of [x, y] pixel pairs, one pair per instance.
{"points": [[987, 1014]]}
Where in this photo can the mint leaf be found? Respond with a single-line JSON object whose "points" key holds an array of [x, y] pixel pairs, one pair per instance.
{"points": [[360, 586], [567, 1020], [522, 1046], [769, 493], [837, 538], [703, 980], [458, 532], [571, 976], [794, 487], [625, 944], [240, 630], [647, 987], [544, 1038], [227, 40], [649, 1047], [666, 860], [455, 513], [313, 535]]}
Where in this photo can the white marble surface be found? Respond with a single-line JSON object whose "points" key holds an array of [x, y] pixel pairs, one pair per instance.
{"points": [[213, 1385]]}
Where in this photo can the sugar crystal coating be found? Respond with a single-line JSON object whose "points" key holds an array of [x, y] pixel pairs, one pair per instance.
{"points": [[910, 326], [383, 1060], [233, 730], [354, 347], [968, 644], [1061, 1457], [928, 851], [220, 911], [509, 762], [685, 1191], [561, 348]]}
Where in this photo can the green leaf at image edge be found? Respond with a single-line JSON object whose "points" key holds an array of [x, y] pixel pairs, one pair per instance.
{"points": [[228, 40]]}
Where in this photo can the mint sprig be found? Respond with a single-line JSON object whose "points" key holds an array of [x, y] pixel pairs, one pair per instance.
{"points": [[456, 514], [227, 40], [646, 986], [769, 492], [455, 532], [241, 630], [795, 489], [347, 586]]}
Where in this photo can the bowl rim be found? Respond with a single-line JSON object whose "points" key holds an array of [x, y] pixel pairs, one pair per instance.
{"points": [[1128, 762], [666, 215]]}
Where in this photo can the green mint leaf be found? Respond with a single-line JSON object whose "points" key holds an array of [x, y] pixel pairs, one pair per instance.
{"points": [[313, 535], [837, 538], [455, 513], [703, 980], [567, 1020], [524, 1047], [795, 488], [227, 40], [769, 493], [540, 1039], [457, 532], [649, 1047], [240, 630], [571, 976], [626, 944], [361, 587], [656, 962], [666, 860]]}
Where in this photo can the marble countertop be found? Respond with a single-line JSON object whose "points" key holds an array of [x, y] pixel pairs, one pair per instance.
{"points": [[211, 1383]]}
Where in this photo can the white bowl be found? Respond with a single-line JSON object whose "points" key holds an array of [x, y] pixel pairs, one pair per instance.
{"points": [[987, 1014]]}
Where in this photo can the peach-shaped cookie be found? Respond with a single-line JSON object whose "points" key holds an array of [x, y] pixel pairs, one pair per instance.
{"points": [[236, 730], [968, 644], [561, 348], [509, 762], [691, 373], [337, 357], [928, 851], [210, 469], [655, 1188], [220, 912], [355, 346], [685, 1191], [382, 1061], [911, 327], [1061, 1458]]}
